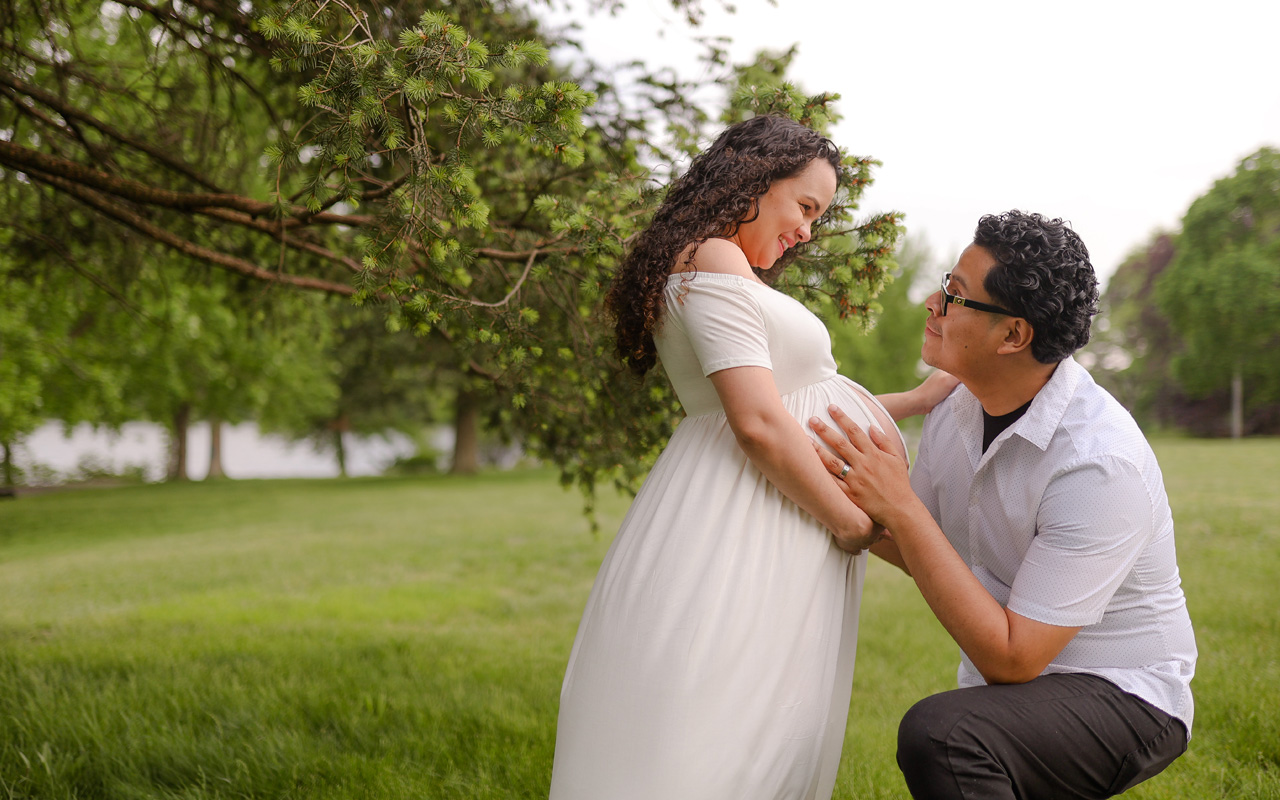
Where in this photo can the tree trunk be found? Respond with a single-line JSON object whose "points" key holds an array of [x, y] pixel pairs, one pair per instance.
{"points": [[1237, 404], [8, 465], [340, 451], [466, 429], [178, 444], [215, 450]]}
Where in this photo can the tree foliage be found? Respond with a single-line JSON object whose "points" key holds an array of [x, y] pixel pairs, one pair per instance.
{"points": [[60, 342], [886, 356], [1163, 342], [426, 158], [1133, 342], [1222, 287]]}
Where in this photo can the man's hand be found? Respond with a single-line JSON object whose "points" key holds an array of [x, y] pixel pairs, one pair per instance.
{"points": [[1004, 646], [877, 480]]}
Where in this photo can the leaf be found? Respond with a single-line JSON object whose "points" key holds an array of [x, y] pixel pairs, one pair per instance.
{"points": [[419, 89], [477, 77], [572, 156]]}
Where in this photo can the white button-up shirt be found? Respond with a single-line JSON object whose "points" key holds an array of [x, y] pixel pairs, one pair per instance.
{"points": [[1064, 520]]}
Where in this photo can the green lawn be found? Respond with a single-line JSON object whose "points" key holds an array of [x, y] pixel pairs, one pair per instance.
{"points": [[396, 638]]}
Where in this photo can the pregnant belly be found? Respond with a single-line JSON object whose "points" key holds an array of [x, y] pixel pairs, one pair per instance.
{"points": [[814, 400]]}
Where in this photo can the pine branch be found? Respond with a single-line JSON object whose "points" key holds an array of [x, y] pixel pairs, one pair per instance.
{"points": [[105, 206], [69, 113], [275, 231], [515, 288], [168, 17], [521, 255], [25, 159]]}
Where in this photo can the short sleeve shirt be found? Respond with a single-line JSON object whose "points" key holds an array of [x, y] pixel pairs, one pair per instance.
{"points": [[1064, 520], [716, 321]]}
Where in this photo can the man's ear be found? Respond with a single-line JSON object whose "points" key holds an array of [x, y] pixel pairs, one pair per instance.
{"points": [[1018, 336]]}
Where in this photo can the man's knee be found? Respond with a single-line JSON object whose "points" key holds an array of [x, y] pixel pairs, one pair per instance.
{"points": [[933, 718], [917, 729], [942, 752], [922, 738]]}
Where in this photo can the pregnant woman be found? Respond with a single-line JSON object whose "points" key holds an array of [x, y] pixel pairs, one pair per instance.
{"points": [[715, 655]]}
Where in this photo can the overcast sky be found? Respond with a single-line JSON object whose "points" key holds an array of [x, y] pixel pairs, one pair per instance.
{"points": [[1112, 115]]}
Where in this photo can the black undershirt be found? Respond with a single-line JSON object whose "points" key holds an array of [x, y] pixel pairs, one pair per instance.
{"points": [[994, 426]]}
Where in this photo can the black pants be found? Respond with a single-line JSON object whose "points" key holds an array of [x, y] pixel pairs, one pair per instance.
{"points": [[1058, 736]]}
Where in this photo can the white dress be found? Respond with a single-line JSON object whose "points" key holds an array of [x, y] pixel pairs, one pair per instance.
{"points": [[715, 655]]}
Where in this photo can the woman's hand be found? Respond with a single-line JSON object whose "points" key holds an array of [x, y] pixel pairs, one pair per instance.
{"points": [[920, 400], [861, 531], [934, 389]]}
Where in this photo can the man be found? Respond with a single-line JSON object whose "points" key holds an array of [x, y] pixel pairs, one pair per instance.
{"points": [[1036, 525]]}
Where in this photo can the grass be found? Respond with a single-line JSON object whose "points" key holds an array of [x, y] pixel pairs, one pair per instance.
{"points": [[406, 637]]}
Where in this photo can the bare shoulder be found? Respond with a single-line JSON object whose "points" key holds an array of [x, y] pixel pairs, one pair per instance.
{"points": [[716, 255]]}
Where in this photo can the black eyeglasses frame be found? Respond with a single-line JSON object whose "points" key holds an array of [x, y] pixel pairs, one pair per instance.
{"points": [[948, 299]]}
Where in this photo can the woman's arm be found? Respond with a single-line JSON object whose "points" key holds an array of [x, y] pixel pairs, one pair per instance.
{"points": [[776, 444], [920, 400]]}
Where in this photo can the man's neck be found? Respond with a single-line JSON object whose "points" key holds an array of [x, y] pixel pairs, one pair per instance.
{"points": [[1008, 389]]}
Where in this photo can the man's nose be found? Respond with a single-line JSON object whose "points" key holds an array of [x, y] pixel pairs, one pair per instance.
{"points": [[934, 303]]}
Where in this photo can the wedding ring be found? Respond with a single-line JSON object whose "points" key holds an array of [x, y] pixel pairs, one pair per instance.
{"points": [[844, 471]]}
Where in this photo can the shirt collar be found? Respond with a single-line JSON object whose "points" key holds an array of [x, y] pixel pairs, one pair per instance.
{"points": [[1050, 404], [1036, 426]]}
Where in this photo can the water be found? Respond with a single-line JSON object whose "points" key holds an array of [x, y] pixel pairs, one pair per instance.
{"points": [[57, 454]]}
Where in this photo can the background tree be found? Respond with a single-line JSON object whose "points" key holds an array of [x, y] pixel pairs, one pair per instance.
{"points": [[1133, 342], [28, 361], [886, 356], [385, 381], [60, 357], [224, 352], [436, 163], [276, 363], [1223, 288]]}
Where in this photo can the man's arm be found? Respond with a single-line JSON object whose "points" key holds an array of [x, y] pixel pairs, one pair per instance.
{"points": [[1004, 646], [887, 550]]}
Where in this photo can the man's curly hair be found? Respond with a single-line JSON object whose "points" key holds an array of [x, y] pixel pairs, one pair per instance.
{"points": [[716, 196], [1042, 273]]}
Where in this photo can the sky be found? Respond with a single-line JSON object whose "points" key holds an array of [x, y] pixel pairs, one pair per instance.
{"points": [[1114, 116]]}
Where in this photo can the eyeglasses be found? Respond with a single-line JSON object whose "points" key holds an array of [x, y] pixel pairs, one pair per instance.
{"points": [[948, 299]]}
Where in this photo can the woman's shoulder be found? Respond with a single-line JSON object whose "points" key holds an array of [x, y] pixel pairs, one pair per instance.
{"points": [[715, 256]]}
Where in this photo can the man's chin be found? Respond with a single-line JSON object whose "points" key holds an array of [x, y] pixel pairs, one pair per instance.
{"points": [[925, 356]]}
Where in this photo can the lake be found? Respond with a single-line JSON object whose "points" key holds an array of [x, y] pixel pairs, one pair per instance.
{"points": [[59, 454]]}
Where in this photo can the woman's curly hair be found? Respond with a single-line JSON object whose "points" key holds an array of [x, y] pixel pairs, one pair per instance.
{"points": [[1043, 273], [715, 197]]}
